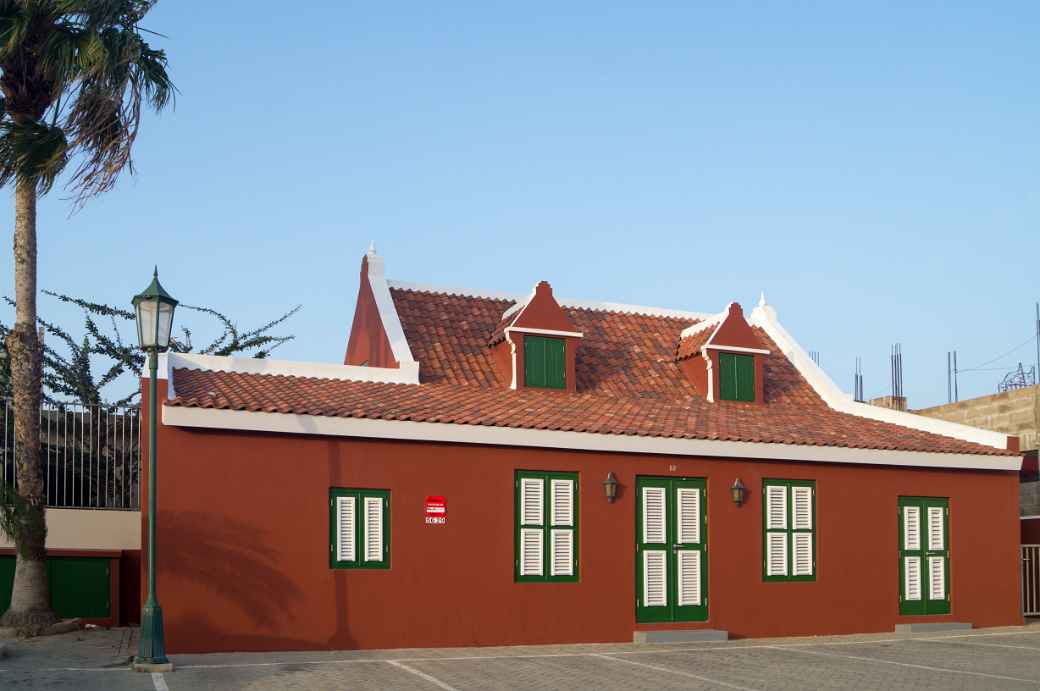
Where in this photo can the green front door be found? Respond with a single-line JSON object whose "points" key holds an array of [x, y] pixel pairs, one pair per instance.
{"points": [[924, 555], [671, 549]]}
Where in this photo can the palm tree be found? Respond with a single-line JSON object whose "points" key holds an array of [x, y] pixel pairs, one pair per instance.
{"points": [[75, 76]]}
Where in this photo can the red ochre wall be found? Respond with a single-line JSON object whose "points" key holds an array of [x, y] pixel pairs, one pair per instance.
{"points": [[244, 546]]}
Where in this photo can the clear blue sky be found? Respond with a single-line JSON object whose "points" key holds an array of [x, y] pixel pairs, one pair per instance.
{"points": [[873, 169]]}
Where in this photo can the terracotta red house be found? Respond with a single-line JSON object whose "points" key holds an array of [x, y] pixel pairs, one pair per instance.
{"points": [[448, 485]]}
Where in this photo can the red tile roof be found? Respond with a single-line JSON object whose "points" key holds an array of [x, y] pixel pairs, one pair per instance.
{"points": [[628, 382], [691, 345]]}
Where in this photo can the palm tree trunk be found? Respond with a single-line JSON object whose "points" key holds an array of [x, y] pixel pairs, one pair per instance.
{"points": [[30, 608]]}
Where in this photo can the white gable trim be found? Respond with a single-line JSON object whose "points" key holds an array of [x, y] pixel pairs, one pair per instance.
{"points": [[764, 316], [388, 315], [504, 436], [709, 322], [289, 368], [521, 301]]}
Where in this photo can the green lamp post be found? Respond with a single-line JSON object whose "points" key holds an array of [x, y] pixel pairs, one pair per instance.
{"points": [[154, 308]]}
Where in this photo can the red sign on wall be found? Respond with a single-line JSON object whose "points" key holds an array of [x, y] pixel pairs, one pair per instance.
{"points": [[436, 511]]}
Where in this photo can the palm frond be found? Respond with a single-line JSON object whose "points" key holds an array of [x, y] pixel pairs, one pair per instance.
{"points": [[32, 150]]}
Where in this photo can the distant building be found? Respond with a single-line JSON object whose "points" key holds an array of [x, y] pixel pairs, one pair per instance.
{"points": [[1014, 412]]}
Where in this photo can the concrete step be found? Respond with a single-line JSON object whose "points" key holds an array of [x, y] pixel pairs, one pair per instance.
{"points": [[680, 636], [928, 627]]}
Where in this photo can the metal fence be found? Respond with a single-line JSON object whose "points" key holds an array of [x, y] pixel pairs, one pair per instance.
{"points": [[91, 454], [1031, 580]]}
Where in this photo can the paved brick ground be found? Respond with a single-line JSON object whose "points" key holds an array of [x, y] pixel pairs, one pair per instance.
{"points": [[1006, 658]]}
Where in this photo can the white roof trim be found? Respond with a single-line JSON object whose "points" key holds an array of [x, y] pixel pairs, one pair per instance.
{"points": [[1028, 518], [544, 332], [617, 443], [522, 301], [289, 368], [764, 316], [735, 349], [709, 321]]}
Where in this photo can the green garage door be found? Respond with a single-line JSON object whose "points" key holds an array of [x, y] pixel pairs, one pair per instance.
{"points": [[80, 586]]}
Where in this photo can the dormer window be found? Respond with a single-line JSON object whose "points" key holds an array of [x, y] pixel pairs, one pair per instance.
{"points": [[736, 377], [535, 344], [722, 357], [545, 362]]}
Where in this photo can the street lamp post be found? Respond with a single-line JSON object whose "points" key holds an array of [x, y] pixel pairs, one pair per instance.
{"points": [[154, 309]]}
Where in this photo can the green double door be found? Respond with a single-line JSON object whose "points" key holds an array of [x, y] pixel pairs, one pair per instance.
{"points": [[671, 549], [924, 555]]}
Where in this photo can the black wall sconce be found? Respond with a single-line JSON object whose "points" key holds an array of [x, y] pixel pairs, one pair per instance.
{"points": [[610, 487], [738, 491]]}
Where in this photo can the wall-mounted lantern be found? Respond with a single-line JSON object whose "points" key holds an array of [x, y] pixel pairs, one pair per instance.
{"points": [[738, 491], [610, 487]]}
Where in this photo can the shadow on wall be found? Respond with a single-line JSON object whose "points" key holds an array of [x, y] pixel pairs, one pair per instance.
{"points": [[202, 637], [340, 637], [228, 558]]}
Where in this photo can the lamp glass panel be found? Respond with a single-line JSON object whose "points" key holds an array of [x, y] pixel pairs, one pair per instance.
{"points": [[146, 311], [165, 324]]}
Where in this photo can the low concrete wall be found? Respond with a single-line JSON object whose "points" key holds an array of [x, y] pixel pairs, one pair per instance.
{"points": [[90, 529], [1012, 412]]}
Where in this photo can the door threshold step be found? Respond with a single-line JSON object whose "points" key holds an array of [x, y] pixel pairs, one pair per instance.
{"points": [[926, 627], [680, 636]]}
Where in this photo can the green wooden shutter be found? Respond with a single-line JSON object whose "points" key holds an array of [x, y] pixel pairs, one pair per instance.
{"points": [[789, 530], [690, 593], [546, 526], [924, 555], [555, 363], [359, 528], [736, 377], [534, 361], [652, 547], [745, 375], [545, 363], [727, 377]]}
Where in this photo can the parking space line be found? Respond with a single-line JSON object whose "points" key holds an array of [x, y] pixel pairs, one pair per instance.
{"points": [[985, 645], [671, 671], [432, 679], [159, 682], [1032, 682]]}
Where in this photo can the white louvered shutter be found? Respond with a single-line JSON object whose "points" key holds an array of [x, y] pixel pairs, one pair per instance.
{"points": [[654, 515], [912, 578], [776, 507], [561, 539], [801, 500], [803, 563], [911, 527], [936, 578], [532, 501], [689, 577], [562, 553], [936, 528], [346, 550], [562, 502], [776, 554], [373, 529], [655, 578], [689, 503], [531, 547]]}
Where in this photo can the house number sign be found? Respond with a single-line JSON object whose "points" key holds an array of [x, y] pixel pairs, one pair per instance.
{"points": [[436, 511]]}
